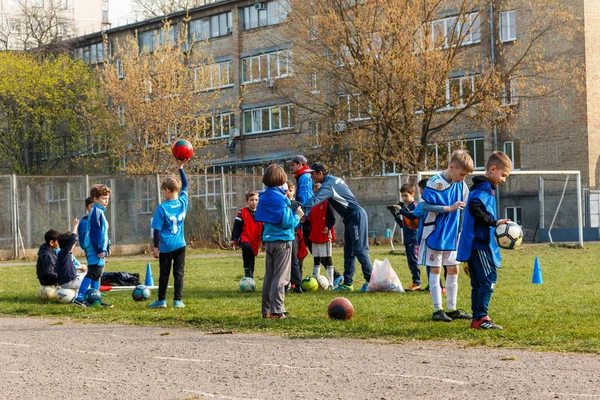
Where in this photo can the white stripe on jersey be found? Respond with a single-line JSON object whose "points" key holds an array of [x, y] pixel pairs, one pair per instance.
{"points": [[338, 198], [439, 183]]}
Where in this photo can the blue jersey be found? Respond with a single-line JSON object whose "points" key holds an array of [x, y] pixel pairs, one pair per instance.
{"points": [[304, 191], [81, 229], [169, 219], [440, 230], [96, 236], [334, 190]]}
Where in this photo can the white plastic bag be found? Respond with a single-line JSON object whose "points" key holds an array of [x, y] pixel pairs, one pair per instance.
{"points": [[384, 278]]}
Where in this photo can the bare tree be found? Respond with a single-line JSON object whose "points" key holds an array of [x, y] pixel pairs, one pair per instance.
{"points": [[156, 8], [380, 80]]}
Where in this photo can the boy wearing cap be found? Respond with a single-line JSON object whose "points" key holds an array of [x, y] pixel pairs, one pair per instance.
{"points": [[356, 238]]}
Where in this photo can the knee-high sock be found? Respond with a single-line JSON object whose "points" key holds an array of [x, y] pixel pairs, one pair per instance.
{"points": [[451, 291], [85, 285], [330, 274], [316, 270], [436, 291], [95, 285]]}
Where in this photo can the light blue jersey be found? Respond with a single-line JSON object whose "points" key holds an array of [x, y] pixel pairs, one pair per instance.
{"points": [[169, 219]]}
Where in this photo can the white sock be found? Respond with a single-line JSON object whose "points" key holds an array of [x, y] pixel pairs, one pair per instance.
{"points": [[316, 271], [436, 291], [451, 291], [330, 274]]}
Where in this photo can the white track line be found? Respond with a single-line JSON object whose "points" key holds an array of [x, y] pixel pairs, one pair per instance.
{"points": [[11, 372], [181, 359], [96, 379], [435, 378], [577, 394], [98, 353], [218, 396], [291, 367], [15, 344]]}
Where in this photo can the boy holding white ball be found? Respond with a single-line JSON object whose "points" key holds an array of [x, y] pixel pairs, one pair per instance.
{"points": [[477, 245]]}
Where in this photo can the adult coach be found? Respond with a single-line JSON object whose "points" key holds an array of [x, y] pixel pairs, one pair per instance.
{"points": [[356, 237]]}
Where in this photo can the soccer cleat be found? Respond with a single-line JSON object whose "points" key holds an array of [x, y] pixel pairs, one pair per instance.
{"points": [[440, 315], [413, 287], [278, 315], [298, 289], [485, 323], [79, 303], [459, 314], [158, 304], [103, 304], [342, 287], [364, 288], [178, 304], [338, 281]]}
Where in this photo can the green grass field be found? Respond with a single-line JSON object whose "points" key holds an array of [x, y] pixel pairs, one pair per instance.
{"points": [[559, 315]]}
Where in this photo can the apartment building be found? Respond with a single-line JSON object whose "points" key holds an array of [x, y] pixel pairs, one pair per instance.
{"points": [[243, 35]]}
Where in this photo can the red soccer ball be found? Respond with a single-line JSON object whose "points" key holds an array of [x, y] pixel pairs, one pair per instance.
{"points": [[182, 149], [340, 308]]}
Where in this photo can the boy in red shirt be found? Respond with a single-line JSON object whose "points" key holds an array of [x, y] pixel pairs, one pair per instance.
{"points": [[247, 232]]}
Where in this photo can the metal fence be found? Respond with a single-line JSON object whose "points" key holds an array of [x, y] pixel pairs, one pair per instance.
{"points": [[31, 205]]}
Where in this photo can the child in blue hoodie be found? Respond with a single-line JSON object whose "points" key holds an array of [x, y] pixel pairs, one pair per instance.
{"points": [[275, 211]]}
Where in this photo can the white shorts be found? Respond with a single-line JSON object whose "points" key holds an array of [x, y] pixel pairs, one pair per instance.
{"points": [[75, 283], [321, 249], [436, 258]]}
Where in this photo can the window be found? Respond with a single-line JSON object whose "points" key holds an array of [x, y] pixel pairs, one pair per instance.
{"points": [[263, 14], [514, 214], [210, 27], [471, 29], [508, 26], [353, 107], [509, 93], [150, 41], [269, 119], [512, 148], [14, 25], [121, 115], [213, 76], [218, 126], [459, 91], [92, 54], [266, 66], [438, 154], [312, 82], [447, 32], [145, 195], [120, 69], [37, 3], [313, 133], [63, 4]]}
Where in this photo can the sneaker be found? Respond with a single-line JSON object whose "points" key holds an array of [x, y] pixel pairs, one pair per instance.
{"points": [[440, 315], [485, 323], [79, 303], [278, 315], [364, 288], [178, 304], [338, 281], [158, 304], [459, 314], [342, 287], [297, 289], [443, 290], [103, 304], [413, 287]]}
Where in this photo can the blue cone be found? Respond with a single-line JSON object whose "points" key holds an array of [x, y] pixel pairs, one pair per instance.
{"points": [[149, 278], [537, 273]]}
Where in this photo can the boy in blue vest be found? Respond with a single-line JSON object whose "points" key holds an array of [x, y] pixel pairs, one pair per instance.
{"points": [[96, 243], [169, 238], [477, 245], [443, 201]]}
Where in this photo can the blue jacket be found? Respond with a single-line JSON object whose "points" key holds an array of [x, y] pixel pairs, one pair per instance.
{"points": [[66, 270], [339, 195], [476, 234], [275, 212], [304, 191], [81, 229], [96, 236]]}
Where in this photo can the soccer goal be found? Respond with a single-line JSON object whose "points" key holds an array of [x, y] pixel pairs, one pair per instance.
{"points": [[547, 204]]}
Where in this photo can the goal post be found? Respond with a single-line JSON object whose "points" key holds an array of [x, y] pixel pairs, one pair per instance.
{"points": [[555, 184]]}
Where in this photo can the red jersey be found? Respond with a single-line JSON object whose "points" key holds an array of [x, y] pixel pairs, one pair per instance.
{"points": [[251, 230], [318, 222]]}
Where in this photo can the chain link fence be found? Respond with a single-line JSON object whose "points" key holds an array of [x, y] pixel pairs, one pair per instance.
{"points": [[31, 205]]}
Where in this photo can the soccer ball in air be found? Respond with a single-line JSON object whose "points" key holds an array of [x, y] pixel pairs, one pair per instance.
{"points": [[47, 293], [92, 297], [323, 282], [141, 293], [65, 296], [509, 235], [182, 149], [310, 284], [247, 284]]}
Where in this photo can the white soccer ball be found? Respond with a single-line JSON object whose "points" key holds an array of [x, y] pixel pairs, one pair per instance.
{"points": [[47, 293], [65, 296], [509, 235], [247, 285], [323, 282]]}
